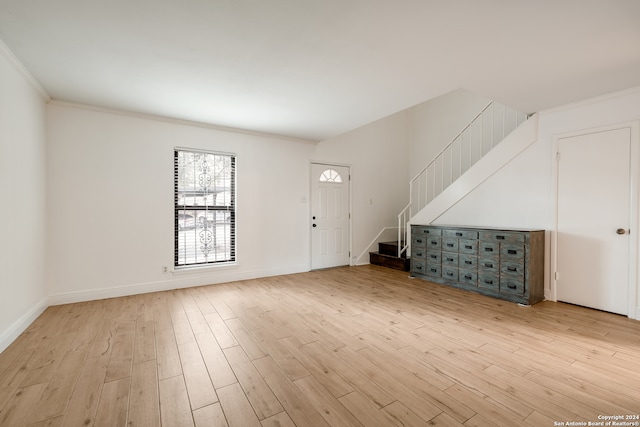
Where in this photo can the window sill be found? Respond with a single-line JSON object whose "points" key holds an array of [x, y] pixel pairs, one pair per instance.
{"points": [[193, 269]]}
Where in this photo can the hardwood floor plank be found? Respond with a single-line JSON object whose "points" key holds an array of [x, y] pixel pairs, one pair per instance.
{"points": [[403, 416], [329, 407], [262, 399], [209, 416], [145, 344], [300, 409], [279, 420], [196, 377], [236, 407], [18, 407], [376, 394], [144, 401], [283, 357], [317, 366], [114, 402], [366, 413], [251, 346], [167, 355], [394, 386], [220, 330], [84, 400], [218, 367], [174, 403]]}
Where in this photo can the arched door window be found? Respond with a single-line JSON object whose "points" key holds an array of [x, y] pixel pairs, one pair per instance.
{"points": [[330, 175]]}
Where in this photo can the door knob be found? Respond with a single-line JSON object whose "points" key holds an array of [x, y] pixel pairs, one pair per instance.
{"points": [[621, 231]]}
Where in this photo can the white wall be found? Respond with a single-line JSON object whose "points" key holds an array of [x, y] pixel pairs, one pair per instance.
{"points": [[377, 154], [110, 187], [22, 199]]}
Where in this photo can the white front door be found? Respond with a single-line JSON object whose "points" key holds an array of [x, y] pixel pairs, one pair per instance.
{"points": [[329, 216], [594, 220]]}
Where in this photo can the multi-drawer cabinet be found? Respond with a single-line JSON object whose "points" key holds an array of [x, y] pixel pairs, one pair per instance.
{"points": [[507, 264]]}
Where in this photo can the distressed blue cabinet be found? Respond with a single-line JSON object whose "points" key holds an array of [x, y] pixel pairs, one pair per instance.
{"points": [[506, 264]]}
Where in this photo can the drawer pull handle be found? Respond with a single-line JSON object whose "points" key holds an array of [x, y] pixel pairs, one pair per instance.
{"points": [[433, 270], [419, 267], [488, 249], [459, 234], [500, 237], [434, 256], [489, 282], [488, 265], [419, 254], [468, 247], [434, 242], [418, 240], [468, 262], [468, 277], [511, 286], [450, 259], [449, 273], [512, 268], [512, 252], [449, 245]]}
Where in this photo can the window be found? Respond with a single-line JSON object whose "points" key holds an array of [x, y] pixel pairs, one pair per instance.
{"points": [[204, 199], [330, 175]]}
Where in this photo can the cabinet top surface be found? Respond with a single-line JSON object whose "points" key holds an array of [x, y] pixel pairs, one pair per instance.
{"points": [[466, 227]]}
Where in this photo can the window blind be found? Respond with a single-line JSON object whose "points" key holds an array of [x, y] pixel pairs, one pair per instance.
{"points": [[204, 201]]}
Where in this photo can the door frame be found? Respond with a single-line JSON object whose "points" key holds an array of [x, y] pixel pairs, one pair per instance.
{"points": [[309, 213], [633, 306]]}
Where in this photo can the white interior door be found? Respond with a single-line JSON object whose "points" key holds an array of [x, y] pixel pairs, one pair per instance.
{"points": [[593, 220], [329, 216]]}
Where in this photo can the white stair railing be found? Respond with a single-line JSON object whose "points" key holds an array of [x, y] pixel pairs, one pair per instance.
{"points": [[403, 233], [486, 130]]}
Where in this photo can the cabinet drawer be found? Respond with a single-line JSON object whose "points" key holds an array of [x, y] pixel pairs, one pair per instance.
{"points": [[419, 252], [450, 258], [450, 273], [427, 231], [434, 257], [434, 243], [490, 265], [512, 252], [418, 266], [511, 285], [468, 277], [463, 234], [468, 262], [515, 269], [489, 249], [488, 281], [450, 244], [467, 246], [418, 241], [502, 236], [434, 270]]}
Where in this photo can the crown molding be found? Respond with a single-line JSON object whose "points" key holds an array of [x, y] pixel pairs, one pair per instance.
{"points": [[19, 66]]}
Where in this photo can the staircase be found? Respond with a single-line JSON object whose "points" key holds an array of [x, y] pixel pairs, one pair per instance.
{"points": [[387, 256], [459, 158]]}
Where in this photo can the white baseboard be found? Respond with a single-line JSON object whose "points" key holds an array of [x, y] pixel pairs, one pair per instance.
{"points": [[637, 314], [181, 280], [19, 326]]}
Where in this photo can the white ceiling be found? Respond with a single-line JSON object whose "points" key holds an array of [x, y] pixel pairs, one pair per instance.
{"points": [[317, 68]]}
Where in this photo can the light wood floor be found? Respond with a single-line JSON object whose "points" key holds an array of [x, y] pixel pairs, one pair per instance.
{"points": [[341, 347]]}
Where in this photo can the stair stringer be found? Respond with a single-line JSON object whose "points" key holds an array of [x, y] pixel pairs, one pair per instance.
{"points": [[514, 144]]}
